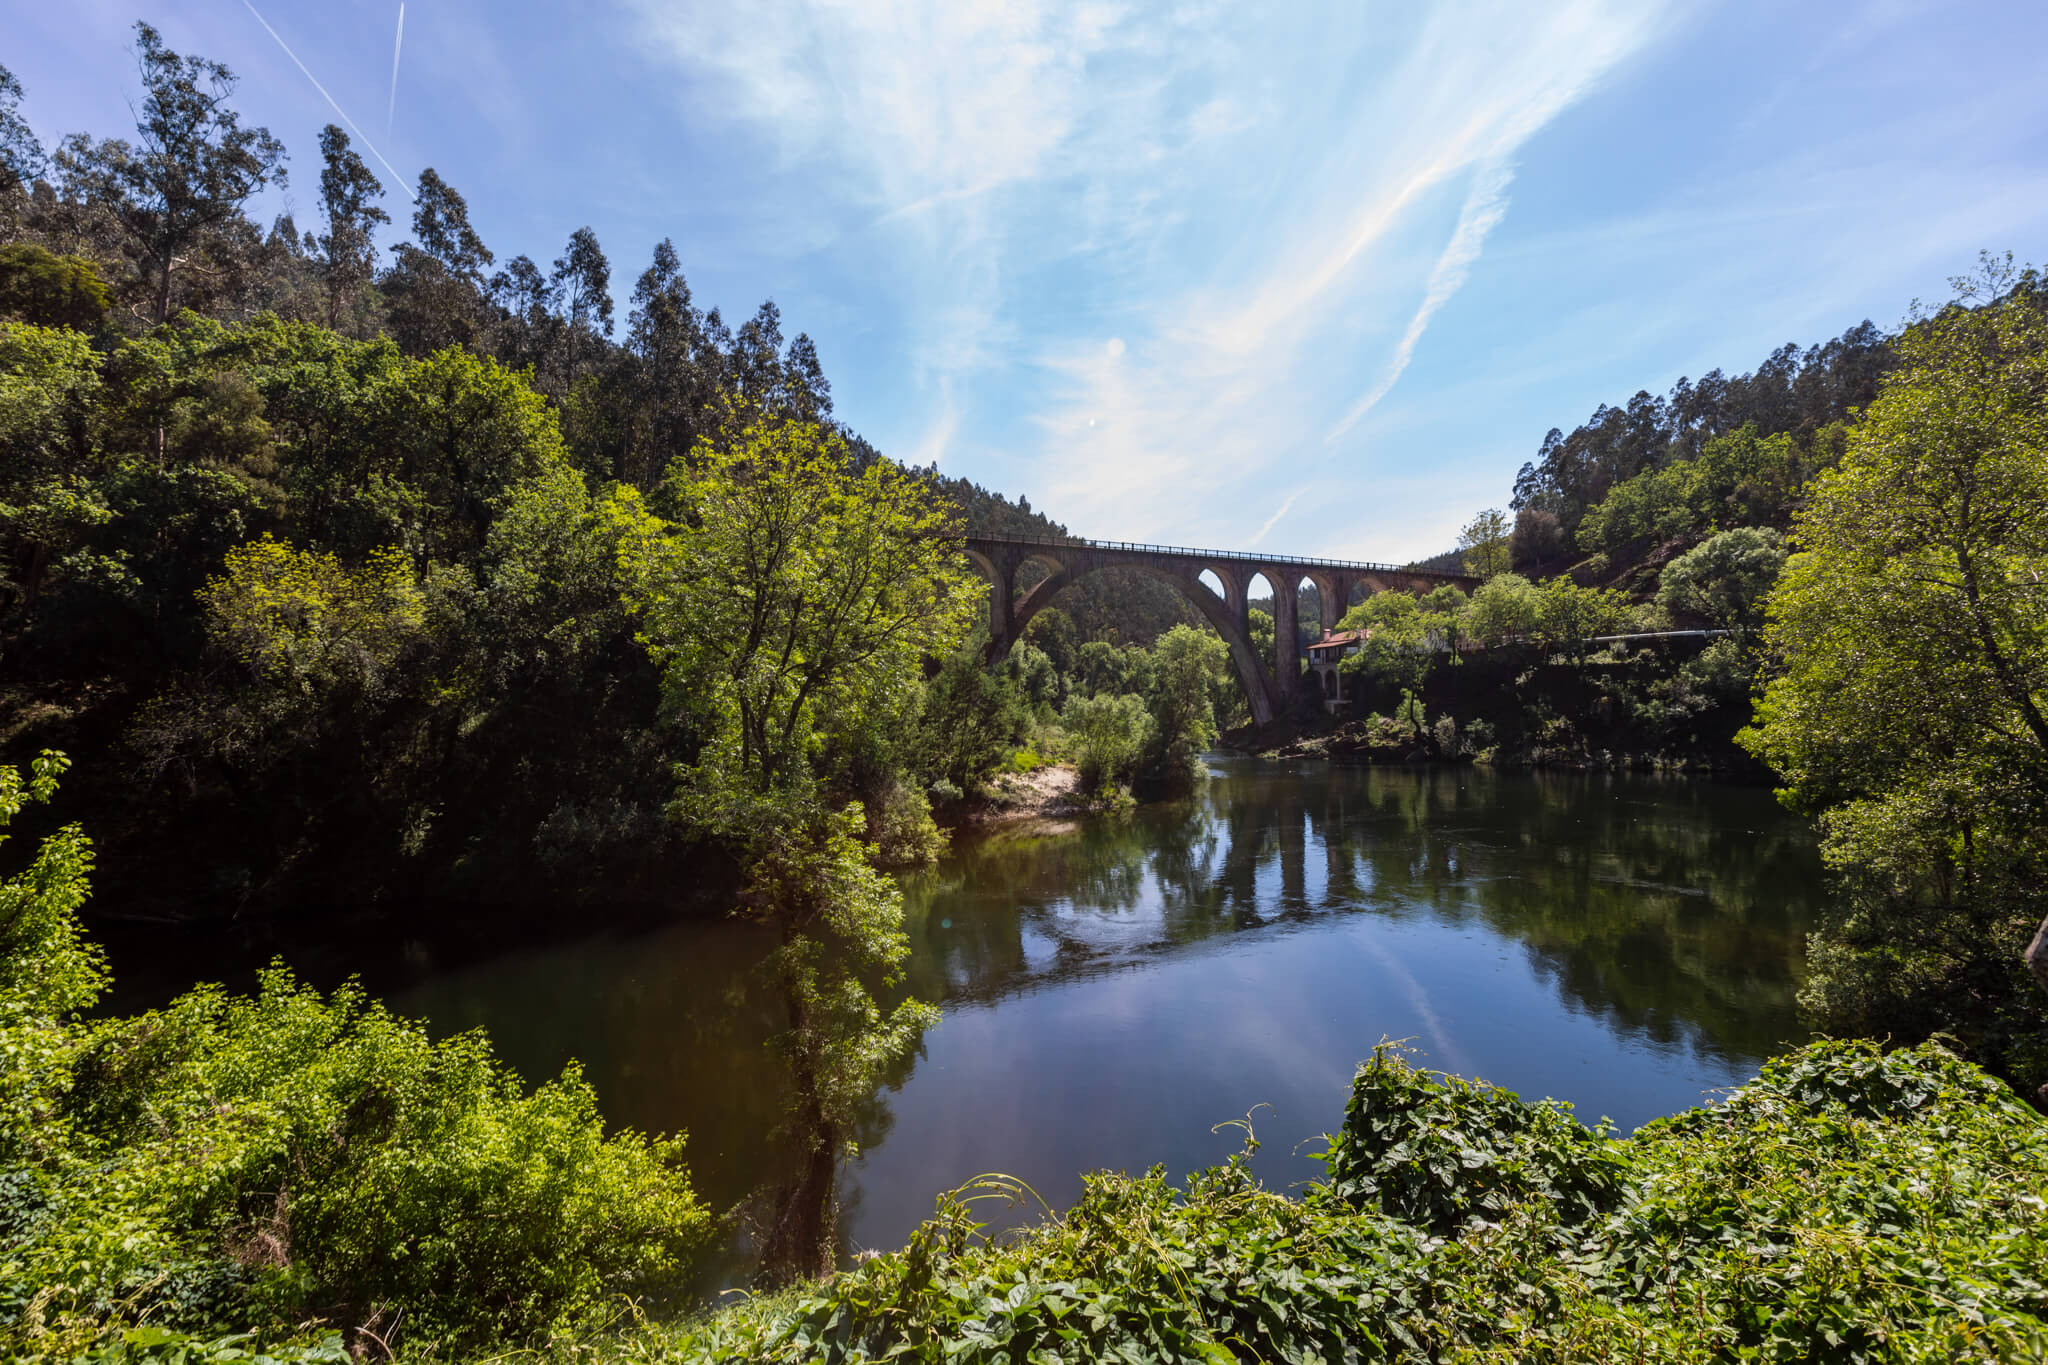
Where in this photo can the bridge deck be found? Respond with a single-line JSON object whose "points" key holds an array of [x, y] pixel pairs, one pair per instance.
{"points": [[1233, 556]]}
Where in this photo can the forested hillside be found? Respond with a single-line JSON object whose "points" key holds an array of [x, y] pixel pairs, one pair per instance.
{"points": [[303, 549], [1711, 454]]}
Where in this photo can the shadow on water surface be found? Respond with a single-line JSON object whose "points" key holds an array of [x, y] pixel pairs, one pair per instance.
{"points": [[1672, 909], [1114, 986]]}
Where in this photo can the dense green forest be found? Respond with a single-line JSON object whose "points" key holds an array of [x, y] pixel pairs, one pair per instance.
{"points": [[216, 431], [415, 584]]}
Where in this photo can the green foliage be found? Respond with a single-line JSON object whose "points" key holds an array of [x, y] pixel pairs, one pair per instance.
{"points": [[901, 828], [1846, 1205], [797, 594], [1112, 734], [48, 972], [1052, 631], [302, 618], [262, 1162], [1183, 714], [972, 717], [43, 289], [50, 476], [1403, 642], [1657, 505], [1038, 682], [185, 177], [1504, 608], [1741, 478], [1484, 543], [1725, 580], [1440, 1153], [1911, 636], [1569, 616], [794, 605], [1102, 668], [1801, 395]]}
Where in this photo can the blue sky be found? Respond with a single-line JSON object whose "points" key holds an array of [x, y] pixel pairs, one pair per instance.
{"points": [[1313, 279]]}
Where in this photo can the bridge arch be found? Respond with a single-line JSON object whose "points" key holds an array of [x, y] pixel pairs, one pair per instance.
{"points": [[1269, 685], [1009, 618]]}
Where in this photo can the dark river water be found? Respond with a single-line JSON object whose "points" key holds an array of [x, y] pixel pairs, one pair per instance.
{"points": [[1114, 987]]}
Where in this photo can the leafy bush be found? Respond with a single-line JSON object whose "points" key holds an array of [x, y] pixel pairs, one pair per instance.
{"points": [[1571, 616], [1504, 607], [1848, 1205], [901, 828], [265, 1162], [1439, 1152], [1186, 661], [1110, 734], [1725, 580]]}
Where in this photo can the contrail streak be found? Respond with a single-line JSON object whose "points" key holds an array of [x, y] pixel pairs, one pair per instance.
{"points": [[1273, 520], [397, 46], [1485, 206], [399, 179]]}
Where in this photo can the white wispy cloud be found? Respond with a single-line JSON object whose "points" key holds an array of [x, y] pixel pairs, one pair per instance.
{"points": [[1145, 254], [1484, 207]]}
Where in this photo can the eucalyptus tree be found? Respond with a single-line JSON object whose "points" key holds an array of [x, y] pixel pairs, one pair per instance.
{"points": [[189, 171], [436, 283], [21, 155], [348, 194], [583, 280], [675, 371]]}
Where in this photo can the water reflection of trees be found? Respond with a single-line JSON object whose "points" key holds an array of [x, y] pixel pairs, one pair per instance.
{"points": [[1673, 910]]}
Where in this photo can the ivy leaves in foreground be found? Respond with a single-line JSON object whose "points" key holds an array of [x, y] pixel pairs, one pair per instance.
{"points": [[1848, 1205]]}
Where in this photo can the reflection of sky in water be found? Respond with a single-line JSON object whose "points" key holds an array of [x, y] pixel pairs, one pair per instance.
{"points": [[1114, 988], [1123, 1036], [1122, 1069]]}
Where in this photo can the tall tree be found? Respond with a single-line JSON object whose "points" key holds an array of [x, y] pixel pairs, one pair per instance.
{"points": [[677, 374], [440, 222], [1183, 709], [436, 282], [1485, 543], [797, 602], [525, 335], [348, 195], [190, 170], [1910, 711], [585, 278], [21, 155]]}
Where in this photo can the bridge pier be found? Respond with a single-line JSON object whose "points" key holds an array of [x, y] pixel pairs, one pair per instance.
{"points": [[1270, 685]]}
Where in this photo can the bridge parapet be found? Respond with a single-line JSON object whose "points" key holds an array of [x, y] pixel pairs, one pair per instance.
{"points": [[1269, 684], [1232, 556]]}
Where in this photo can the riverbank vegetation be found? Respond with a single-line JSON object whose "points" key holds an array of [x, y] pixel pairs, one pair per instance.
{"points": [[1848, 1204], [1871, 538], [367, 584], [233, 1165]]}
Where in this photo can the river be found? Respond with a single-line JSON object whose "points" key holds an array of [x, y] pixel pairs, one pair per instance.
{"points": [[1115, 986]]}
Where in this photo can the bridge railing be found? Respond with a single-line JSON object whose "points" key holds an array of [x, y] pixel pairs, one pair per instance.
{"points": [[1185, 552]]}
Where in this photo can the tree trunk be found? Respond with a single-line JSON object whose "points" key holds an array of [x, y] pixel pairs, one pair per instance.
{"points": [[800, 1235], [2037, 963]]}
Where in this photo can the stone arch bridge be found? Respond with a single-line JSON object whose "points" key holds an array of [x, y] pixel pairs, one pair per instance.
{"points": [[1270, 685]]}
